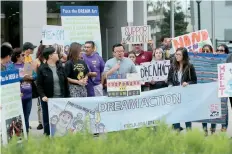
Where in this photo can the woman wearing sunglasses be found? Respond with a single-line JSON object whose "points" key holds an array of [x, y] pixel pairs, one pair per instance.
{"points": [[51, 82]]}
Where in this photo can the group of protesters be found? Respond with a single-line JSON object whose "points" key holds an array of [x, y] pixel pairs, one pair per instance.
{"points": [[83, 73]]}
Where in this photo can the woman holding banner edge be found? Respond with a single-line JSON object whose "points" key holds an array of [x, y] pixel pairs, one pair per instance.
{"points": [[181, 73]]}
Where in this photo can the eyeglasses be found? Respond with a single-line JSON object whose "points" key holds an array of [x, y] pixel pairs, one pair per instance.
{"points": [[220, 50]]}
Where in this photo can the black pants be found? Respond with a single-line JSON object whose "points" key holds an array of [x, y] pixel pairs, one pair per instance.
{"points": [[45, 118], [231, 101]]}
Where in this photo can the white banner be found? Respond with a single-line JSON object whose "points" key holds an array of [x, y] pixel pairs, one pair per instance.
{"points": [[105, 114], [225, 80], [136, 34], [12, 118], [154, 71], [53, 35]]}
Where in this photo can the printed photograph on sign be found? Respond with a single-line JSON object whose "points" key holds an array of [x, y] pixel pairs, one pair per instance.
{"points": [[154, 71], [225, 80], [14, 127], [136, 34], [193, 41]]}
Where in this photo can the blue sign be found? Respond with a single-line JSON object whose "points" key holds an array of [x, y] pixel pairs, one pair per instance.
{"points": [[79, 11], [10, 76]]}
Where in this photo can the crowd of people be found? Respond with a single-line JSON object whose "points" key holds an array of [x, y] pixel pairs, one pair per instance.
{"points": [[83, 73]]}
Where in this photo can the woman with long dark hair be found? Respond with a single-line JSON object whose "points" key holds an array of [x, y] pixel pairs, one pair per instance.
{"points": [[182, 73], [51, 82], [77, 72]]}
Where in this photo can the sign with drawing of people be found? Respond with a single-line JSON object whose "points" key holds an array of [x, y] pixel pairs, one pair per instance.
{"points": [[109, 114], [70, 117], [225, 80], [12, 118]]}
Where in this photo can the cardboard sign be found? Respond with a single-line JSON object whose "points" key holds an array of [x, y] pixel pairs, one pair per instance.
{"points": [[154, 71], [28, 69], [136, 34], [225, 80], [124, 86], [193, 41], [53, 35]]}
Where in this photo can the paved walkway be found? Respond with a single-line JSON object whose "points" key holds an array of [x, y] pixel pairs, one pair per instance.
{"points": [[35, 132]]}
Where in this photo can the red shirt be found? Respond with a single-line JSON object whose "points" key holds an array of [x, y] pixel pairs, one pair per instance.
{"points": [[142, 57]]}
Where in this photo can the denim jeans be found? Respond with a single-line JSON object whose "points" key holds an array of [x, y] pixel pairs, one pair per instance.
{"points": [[187, 124], [204, 125], [27, 105], [45, 118], [227, 116]]}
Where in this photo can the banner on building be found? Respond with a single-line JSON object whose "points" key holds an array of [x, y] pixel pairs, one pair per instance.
{"points": [[154, 71], [53, 35], [12, 118], [225, 80], [193, 41], [136, 34], [106, 114], [206, 70], [81, 24], [118, 86]]}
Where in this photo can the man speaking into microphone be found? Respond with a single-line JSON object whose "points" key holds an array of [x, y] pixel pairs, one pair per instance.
{"points": [[119, 65]]}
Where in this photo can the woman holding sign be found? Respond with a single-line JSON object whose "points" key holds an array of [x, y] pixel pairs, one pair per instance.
{"points": [[182, 73], [158, 55]]}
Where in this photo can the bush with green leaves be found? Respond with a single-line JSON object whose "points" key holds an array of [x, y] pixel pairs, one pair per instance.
{"points": [[161, 140]]}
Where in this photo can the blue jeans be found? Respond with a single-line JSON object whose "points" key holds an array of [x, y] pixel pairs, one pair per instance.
{"points": [[204, 125], [27, 105], [45, 118], [187, 124]]}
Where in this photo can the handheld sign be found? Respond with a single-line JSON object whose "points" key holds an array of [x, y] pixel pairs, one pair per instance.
{"points": [[136, 34], [193, 41], [53, 35], [225, 80]]}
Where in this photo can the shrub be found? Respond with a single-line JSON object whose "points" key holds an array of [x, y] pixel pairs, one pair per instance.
{"points": [[161, 140]]}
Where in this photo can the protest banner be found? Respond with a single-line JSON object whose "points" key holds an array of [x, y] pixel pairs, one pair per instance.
{"points": [[12, 118], [81, 23], [136, 34], [107, 114], [154, 71], [193, 41], [206, 69], [53, 35], [129, 85], [225, 80]]}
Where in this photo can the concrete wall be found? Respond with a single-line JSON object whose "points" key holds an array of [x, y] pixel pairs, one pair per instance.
{"points": [[223, 18], [32, 22]]}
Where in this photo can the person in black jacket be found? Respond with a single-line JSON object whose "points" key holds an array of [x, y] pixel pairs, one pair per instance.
{"points": [[51, 82], [181, 73]]}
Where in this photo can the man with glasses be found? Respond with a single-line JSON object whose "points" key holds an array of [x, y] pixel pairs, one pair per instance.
{"points": [[119, 65]]}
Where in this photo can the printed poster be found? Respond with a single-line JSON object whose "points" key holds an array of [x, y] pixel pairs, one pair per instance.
{"points": [[53, 35], [154, 71], [118, 86], [108, 114], [193, 41], [81, 24], [136, 34], [12, 118], [225, 80]]}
